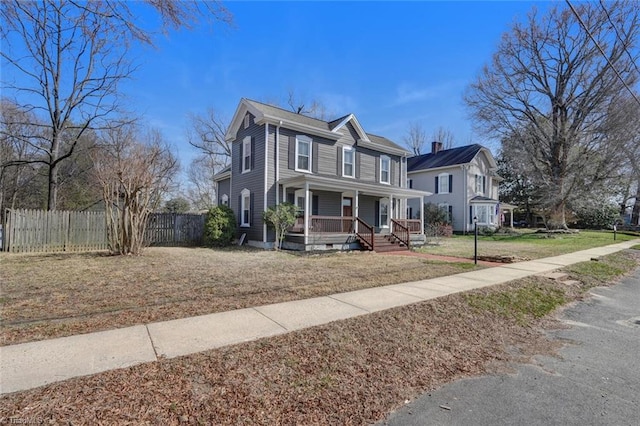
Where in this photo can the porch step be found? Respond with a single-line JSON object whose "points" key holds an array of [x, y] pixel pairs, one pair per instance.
{"points": [[384, 243]]}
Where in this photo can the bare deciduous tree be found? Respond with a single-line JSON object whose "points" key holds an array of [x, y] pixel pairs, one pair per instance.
{"points": [[549, 87], [201, 189], [444, 136], [313, 108], [69, 58], [18, 156], [415, 138], [134, 171]]}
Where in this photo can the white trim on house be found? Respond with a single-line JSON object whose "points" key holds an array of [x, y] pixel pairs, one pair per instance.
{"points": [[302, 139], [443, 183], [352, 151], [356, 125], [245, 205], [385, 159], [246, 148], [382, 148]]}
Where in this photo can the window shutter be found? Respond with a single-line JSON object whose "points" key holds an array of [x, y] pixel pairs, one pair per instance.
{"points": [[253, 152], [239, 210], [450, 184], [314, 157], [251, 197], [241, 157], [377, 218], [392, 172], [292, 152], [484, 185], [437, 189], [357, 164], [339, 166], [314, 205], [471, 215], [377, 179]]}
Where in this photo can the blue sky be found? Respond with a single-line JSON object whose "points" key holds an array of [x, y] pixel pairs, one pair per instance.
{"points": [[389, 63]]}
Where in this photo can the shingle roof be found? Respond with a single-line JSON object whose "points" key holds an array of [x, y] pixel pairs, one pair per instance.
{"points": [[447, 157], [289, 115], [314, 122], [381, 140]]}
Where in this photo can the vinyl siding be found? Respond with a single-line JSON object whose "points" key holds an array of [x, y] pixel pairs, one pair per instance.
{"points": [[252, 180], [224, 187]]}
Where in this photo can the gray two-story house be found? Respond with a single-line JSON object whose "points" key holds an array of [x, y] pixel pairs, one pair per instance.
{"points": [[349, 185]]}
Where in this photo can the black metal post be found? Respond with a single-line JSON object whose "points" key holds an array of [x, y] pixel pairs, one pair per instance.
{"points": [[475, 240]]}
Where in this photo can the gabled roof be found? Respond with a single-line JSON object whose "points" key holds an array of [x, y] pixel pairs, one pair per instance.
{"points": [[447, 157], [265, 113], [223, 174]]}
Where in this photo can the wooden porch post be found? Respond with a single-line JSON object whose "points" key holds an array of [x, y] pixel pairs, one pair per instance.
{"points": [[355, 209], [391, 213], [306, 213], [422, 215]]}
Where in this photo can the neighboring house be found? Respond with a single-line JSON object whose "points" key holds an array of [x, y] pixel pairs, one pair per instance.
{"points": [[463, 181], [346, 183]]}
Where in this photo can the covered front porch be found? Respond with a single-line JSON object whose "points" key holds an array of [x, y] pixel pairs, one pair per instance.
{"points": [[339, 214]]}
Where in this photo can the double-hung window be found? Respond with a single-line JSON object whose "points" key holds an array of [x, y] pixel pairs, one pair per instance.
{"points": [[480, 184], [246, 154], [385, 169], [348, 161], [303, 154], [442, 183], [245, 208]]}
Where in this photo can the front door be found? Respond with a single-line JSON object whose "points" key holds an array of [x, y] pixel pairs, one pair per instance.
{"points": [[347, 211]]}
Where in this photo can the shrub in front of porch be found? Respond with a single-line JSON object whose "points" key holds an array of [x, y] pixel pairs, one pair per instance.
{"points": [[437, 223], [280, 218]]}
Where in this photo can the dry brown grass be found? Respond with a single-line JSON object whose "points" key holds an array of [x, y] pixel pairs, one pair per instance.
{"points": [[45, 296], [349, 372]]}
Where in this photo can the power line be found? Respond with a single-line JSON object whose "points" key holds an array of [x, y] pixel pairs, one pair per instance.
{"points": [[582, 24], [624, 47]]}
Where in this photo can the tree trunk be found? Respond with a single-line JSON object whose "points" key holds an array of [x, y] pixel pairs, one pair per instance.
{"points": [[635, 213], [557, 218]]}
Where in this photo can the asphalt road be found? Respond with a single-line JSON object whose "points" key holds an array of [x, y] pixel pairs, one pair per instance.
{"points": [[595, 381]]}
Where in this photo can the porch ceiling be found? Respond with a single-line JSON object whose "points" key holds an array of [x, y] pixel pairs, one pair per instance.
{"points": [[342, 185]]}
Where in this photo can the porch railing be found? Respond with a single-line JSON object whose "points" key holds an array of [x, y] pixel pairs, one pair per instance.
{"points": [[366, 233], [413, 225], [325, 225], [400, 232], [331, 224]]}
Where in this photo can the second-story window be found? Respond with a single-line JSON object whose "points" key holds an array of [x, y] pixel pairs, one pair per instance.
{"points": [[246, 154], [443, 183], [303, 153], [348, 161], [385, 168], [480, 184]]}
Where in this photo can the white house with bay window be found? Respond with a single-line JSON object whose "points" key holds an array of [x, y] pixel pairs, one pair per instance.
{"points": [[463, 181]]}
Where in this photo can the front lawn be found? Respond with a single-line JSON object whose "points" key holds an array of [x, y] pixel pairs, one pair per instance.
{"points": [[524, 244], [45, 296]]}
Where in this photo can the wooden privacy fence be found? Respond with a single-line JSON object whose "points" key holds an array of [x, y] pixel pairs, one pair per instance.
{"points": [[30, 231], [33, 231], [175, 229]]}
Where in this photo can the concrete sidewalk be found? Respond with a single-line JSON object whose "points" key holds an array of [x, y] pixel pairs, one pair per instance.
{"points": [[29, 365]]}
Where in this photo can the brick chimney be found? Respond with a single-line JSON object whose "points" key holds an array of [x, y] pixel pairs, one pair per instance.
{"points": [[436, 147]]}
